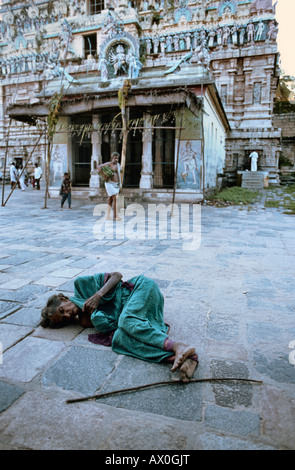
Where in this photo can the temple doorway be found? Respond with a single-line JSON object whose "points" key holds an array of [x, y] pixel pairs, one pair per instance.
{"points": [[163, 155], [111, 142], [81, 152]]}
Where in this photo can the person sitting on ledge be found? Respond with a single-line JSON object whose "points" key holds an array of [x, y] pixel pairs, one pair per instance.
{"points": [[128, 314]]}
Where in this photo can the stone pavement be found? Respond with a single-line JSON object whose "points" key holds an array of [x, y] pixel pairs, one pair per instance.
{"points": [[233, 298]]}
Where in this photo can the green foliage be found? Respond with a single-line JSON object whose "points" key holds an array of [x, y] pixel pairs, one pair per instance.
{"points": [[54, 110], [290, 189], [271, 203], [123, 93], [284, 161], [236, 195]]}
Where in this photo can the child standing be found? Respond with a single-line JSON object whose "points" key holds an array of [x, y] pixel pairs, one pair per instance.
{"points": [[66, 188]]}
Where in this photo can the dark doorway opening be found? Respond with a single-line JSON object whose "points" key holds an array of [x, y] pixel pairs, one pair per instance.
{"points": [[112, 142], [82, 150], [90, 45], [163, 155]]}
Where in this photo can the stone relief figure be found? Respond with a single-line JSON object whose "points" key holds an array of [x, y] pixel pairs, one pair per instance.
{"points": [[203, 35], [201, 55], [112, 26], [188, 40], [182, 43], [33, 13], [227, 6], [195, 39], [77, 7], [162, 45], [103, 67], [156, 42], [2, 31], [262, 6], [234, 35], [3, 66], [219, 36], [169, 44], [257, 93], [148, 43], [242, 36], [117, 58], [8, 19], [53, 69], [66, 38], [60, 10], [259, 31], [250, 32], [176, 42], [134, 65], [211, 36], [124, 61], [225, 35], [272, 31], [20, 41]]}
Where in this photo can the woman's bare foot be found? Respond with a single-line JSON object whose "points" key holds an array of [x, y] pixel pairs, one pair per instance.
{"points": [[187, 369], [182, 352]]}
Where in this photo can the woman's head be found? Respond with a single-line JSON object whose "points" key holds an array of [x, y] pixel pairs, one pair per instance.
{"points": [[59, 311]]}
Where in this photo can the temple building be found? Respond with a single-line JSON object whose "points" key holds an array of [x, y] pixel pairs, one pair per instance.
{"points": [[192, 85]]}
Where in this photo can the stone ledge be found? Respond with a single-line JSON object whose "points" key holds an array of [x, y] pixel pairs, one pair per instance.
{"points": [[135, 195]]}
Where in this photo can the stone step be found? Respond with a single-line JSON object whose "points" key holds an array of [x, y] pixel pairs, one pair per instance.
{"points": [[253, 177], [252, 187], [253, 180]]}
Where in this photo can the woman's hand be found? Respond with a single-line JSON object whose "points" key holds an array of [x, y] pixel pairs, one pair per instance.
{"points": [[91, 304]]}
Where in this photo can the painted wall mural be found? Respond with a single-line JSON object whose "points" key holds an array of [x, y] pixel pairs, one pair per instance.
{"points": [[189, 165], [58, 164]]}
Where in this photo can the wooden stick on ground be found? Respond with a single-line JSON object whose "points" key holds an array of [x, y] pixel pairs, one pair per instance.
{"points": [[155, 384]]}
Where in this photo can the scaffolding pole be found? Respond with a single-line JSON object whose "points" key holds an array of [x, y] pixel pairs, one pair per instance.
{"points": [[27, 161], [177, 158], [5, 162]]}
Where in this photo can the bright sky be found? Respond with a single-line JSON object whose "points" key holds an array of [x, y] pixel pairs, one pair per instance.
{"points": [[285, 15]]}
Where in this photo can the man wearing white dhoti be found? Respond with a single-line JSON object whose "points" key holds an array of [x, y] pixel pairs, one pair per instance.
{"points": [[254, 157], [13, 175], [111, 172]]}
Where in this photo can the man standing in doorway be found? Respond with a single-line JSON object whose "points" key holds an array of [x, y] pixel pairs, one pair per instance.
{"points": [[254, 157], [37, 175]]}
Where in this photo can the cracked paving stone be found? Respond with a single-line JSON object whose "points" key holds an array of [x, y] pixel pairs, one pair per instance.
{"points": [[83, 369]]}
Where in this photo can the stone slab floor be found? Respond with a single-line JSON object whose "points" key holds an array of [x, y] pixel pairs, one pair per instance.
{"points": [[231, 294]]}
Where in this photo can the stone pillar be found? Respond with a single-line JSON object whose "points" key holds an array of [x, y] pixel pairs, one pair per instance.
{"points": [[146, 180], [96, 153]]}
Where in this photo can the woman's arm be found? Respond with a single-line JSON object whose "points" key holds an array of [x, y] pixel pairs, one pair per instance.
{"points": [[92, 303]]}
